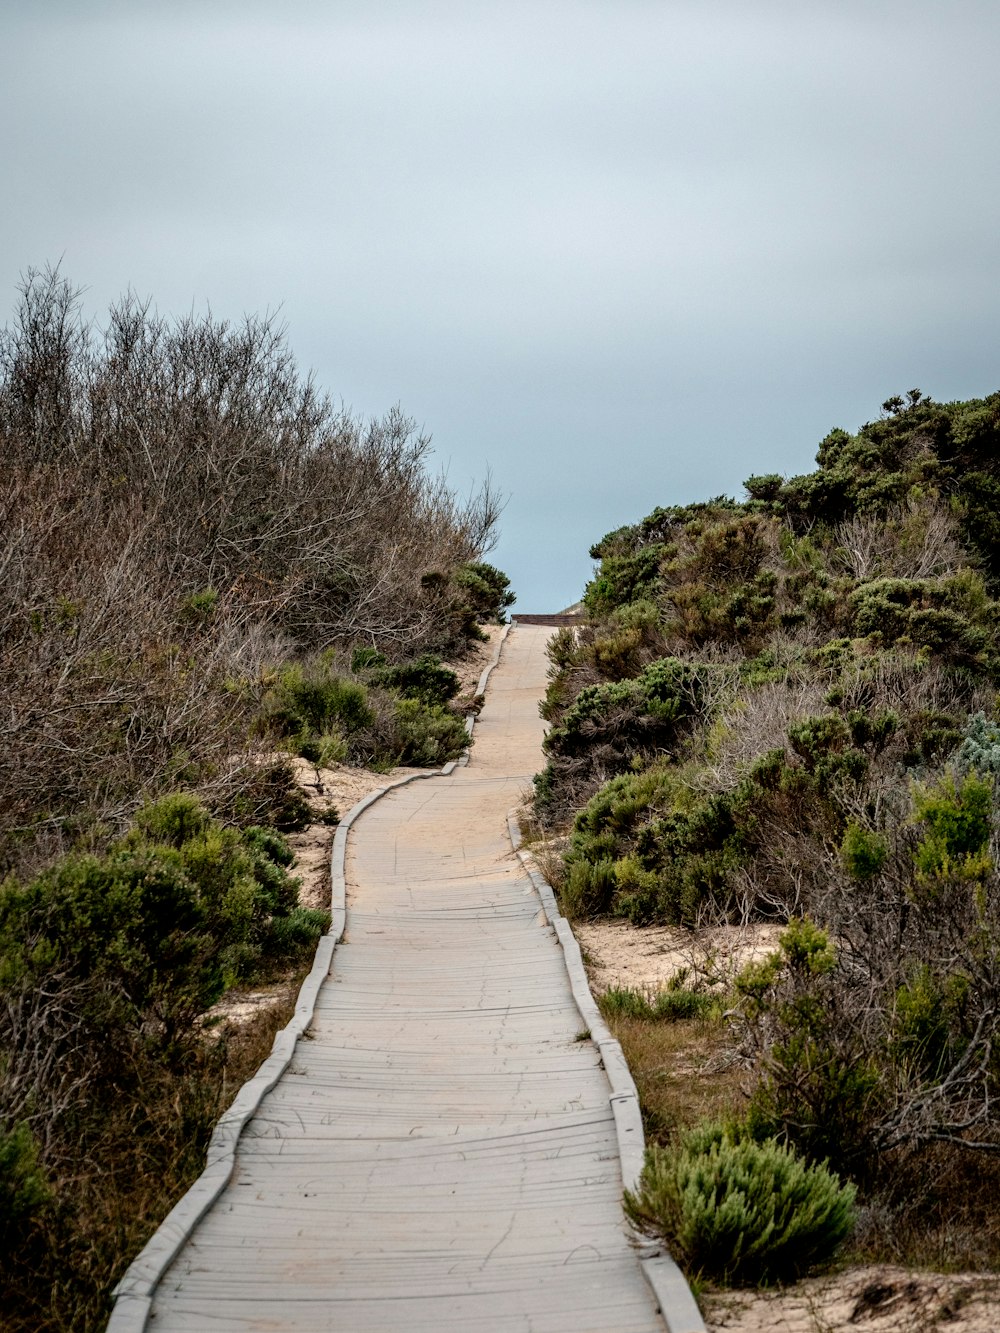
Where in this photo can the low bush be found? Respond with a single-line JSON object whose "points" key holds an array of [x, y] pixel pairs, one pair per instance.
{"points": [[609, 727], [393, 715], [425, 678], [427, 734], [156, 929], [740, 1211], [481, 596], [670, 1003], [310, 701], [980, 747]]}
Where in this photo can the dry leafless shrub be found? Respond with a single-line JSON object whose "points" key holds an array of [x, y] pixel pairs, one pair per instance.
{"points": [[757, 721], [914, 541], [177, 506]]}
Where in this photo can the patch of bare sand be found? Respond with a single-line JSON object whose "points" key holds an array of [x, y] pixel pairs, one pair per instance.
{"points": [[338, 788], [875, 1299], [647, 958]]}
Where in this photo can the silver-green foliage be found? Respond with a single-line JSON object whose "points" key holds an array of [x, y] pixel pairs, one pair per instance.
{"points": [[740, 1211], [980, 750]]}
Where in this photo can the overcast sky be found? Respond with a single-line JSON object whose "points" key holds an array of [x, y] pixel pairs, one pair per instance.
{"points": [[621, 252]]}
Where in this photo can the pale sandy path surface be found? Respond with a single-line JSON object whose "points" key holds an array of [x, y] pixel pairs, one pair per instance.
{"points": [[441, 1153]]}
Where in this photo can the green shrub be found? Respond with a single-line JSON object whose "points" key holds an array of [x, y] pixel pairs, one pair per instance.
{"points": [[24, 1190], [172, 820], [679, 1002], [589, 889], [622, 579], [485, 595], [927, 1014], [159, 926], [980, 747], [326, 749], [818, 1087], [671, 1003], [427, 734], [613, 723], [296, 933], [619, 654], [366, 659], [958, 821], [740, 1211], [670, 849], [625, 1002], [950, 617], [863, 852], [314, 709], [425, 678], [765, 486]]}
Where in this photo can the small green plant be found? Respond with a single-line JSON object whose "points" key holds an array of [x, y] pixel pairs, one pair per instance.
{"points": [[24, 1189], [316, 710], [625, 1002], [589, 888], [863, 851], [425, 678], [980, 748], [428, 734], [957, 816], [740, 1211], [669, 1004]]}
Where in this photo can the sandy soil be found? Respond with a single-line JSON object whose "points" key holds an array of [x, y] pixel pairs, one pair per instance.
{"points": [[875, 1299], [646, 958]]}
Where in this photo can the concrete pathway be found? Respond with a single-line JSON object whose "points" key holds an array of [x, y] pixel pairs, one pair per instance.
{"points": [[441, 1153]]}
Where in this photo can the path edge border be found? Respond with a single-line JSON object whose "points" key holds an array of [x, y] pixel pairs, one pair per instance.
{"points": [[133, 1292], [670, 1287]]}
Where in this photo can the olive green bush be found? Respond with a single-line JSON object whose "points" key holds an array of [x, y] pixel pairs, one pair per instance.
{"points": [[607, 727], [427, 734], [424, 678], [482, 596], [391, 715], [740, 1211], [670, 1003]]}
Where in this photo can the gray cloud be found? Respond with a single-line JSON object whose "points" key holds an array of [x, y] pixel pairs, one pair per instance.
{"points": [[625, 252]]}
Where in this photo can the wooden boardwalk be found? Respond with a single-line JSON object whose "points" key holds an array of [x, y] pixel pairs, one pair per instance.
{"points": [[441, 1153]]}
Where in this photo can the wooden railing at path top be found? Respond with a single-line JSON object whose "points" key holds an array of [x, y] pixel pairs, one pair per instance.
{"points": [[518, 619]]}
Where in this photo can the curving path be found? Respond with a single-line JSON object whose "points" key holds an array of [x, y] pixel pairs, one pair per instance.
{"points": [[441, 1153]]}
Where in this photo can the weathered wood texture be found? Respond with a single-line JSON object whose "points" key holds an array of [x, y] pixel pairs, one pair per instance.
{"points": [[441, 1153], [555, 621]]}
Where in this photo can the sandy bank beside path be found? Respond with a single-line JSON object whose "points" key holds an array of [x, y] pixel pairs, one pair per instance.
{"points": [[875, 1299], [647, 958]]}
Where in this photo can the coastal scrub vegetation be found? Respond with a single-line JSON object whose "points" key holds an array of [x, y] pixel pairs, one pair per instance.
{"points": [[207, 568], [783, 710]]}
